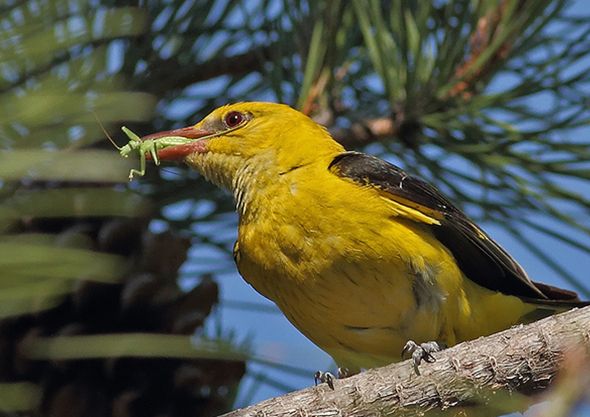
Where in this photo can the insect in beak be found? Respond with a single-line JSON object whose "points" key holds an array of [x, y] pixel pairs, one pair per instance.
{"points": [[194, 142]]}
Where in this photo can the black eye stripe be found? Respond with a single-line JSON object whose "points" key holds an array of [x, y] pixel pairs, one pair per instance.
{"points": [[233, 119]]}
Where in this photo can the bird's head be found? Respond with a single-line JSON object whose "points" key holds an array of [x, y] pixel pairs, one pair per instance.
{"points": [[252, 139]]}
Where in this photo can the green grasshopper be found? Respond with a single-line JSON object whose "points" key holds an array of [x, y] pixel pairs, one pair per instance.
{"points": [[151, 146]]}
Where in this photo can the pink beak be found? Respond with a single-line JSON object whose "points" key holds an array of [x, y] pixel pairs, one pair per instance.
{"points": [[178, 152]]}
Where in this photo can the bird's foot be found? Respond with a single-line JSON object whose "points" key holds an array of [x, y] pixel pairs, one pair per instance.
{"points": [[421, 352], [328, 378]]}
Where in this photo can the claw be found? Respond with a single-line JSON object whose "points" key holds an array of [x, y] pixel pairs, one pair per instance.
{"points": [[329, 378], [421, 352], [326, 377], [343, 373]]}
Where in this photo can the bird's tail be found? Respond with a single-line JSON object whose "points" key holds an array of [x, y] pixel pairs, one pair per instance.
{"points": [[558, 300]]}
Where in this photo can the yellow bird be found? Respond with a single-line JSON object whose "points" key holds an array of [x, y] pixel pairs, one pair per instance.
{"points": [[360, 256]]}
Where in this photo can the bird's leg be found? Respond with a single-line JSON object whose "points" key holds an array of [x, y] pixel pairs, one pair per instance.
{"points": [[421, 352], [328, 378]]}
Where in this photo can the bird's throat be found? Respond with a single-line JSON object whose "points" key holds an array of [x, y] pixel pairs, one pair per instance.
{"points": [[244, 178]]}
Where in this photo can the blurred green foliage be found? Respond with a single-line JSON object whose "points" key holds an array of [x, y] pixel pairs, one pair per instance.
{"points": [[53, 76], [58, 190]]}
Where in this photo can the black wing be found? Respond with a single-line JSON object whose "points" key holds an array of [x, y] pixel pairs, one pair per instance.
{"points": [[480, 258]]}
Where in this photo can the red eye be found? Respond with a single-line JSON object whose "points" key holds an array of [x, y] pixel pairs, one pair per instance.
{"points": [[234, 118]]}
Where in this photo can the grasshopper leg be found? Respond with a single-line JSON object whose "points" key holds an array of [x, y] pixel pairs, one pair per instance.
{"points": [[142, 164], [141, 171], [133, 172], [154, 154]]}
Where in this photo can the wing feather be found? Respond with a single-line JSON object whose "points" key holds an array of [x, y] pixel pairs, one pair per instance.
{"points": [[480, 258]]}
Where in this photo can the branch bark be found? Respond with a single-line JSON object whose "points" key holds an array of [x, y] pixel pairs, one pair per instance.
{"points": [[486, 372], [161, 80], [362, 133]]}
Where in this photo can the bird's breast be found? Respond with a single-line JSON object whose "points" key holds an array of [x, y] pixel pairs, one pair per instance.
{"points": [[340, 269]]}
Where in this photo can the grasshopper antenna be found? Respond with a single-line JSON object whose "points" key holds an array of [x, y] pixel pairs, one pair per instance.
{"points": [[105, 131]]}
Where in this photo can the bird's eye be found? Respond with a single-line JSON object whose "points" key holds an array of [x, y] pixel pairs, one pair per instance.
{"points": [[234, 118]]}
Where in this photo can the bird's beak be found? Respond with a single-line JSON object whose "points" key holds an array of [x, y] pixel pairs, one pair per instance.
{"points": [[181, 151]]}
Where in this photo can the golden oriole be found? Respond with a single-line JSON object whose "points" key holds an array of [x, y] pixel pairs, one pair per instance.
{"points": [[360, 256]]}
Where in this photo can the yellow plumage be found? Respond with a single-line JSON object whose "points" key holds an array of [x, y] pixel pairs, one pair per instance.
{"points": [[355, 265]]}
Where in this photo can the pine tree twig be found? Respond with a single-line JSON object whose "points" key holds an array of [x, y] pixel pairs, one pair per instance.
{"points": [[367, 131], [487, 28], [317, 89], [486, 372], [161, 82]]}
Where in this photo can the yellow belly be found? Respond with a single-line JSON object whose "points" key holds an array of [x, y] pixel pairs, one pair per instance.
{"points": [[360, 286]]}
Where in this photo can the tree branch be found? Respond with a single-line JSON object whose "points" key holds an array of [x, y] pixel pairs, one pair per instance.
{"points": [[162, 80], [468, 74], [486, 372], [367, 131]]}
